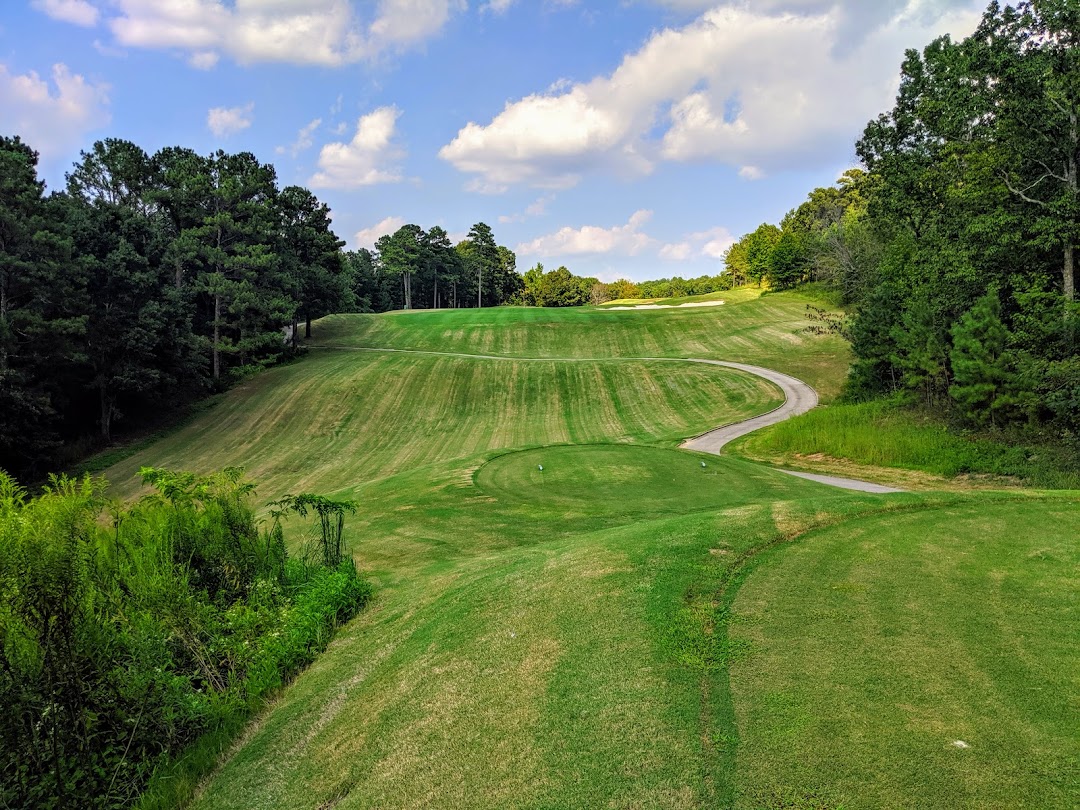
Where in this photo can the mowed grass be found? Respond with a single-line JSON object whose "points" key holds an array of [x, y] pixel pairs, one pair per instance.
{"points": [[523, 652], [767, 330], [565, 638], [919, 660], [342, 418]]}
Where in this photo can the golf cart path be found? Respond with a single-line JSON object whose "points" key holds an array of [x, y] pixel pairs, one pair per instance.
{"points": [[799, 397]]}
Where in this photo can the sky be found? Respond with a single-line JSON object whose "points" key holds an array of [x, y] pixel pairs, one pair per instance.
{"points": [[628, 139]]}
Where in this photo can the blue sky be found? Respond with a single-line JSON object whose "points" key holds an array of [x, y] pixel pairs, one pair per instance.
{"points": [[623, 139]]}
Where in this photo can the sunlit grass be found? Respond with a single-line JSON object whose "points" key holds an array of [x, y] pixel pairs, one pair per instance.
{"points": [[885, 435], [563, 638]]}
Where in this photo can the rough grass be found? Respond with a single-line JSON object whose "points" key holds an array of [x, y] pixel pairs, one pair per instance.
{"points": [[883, 434], [927, 659]]}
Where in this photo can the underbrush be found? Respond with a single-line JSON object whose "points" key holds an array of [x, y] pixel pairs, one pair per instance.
{"points": [[128, 635], [886, 434]]}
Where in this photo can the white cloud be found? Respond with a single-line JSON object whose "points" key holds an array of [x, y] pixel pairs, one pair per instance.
{"points": [[590, 239], [303, 140], [751, 173], [369, 158], [710, 244], [77, 12], [762, 87], [676, 251], [226, 121], [204, 60], [367, 237], [717, 242], [52, 119], [319, 32], [537, 208], [497, 6]]}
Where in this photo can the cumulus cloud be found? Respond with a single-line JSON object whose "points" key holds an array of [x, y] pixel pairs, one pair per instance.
{"points": [[369, 158], [204, 60], [625, 239], [226, 121], [367, 237], [537, 208], [77, 12], [53, 119], [759, 88], [710, 244], [319, 32], [304, 139]]}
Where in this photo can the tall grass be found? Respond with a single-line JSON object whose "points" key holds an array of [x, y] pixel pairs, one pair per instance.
{"points": [[885, 434], [126, 634]]}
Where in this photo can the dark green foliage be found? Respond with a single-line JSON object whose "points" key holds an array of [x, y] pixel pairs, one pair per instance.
{"points": [[148, 282], [973, 199], [417, 269], [126, 634], [981, 374], [788, 262], [921, 351]]}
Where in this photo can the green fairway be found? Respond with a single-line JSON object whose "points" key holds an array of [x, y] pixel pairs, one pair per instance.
{"points": [[924, 660], [768, 331], [624, 628]]}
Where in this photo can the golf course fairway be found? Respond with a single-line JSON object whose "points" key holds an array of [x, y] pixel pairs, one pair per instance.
{"points": [[572, 612]]}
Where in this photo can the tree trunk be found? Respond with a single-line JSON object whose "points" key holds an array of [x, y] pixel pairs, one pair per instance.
{"points": [[479, 285], [1069, 273], [3, 325], [307, 325], [217, 335], [295, 331], [106, 411]]}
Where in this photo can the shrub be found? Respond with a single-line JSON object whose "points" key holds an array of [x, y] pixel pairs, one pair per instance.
{"points": [[128, 633]]}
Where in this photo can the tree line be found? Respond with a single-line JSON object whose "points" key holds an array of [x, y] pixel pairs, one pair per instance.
{"points": [[417, 269], [955, 249], [148, 280]]}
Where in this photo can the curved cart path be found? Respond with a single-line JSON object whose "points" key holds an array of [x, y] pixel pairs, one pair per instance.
{"points": [[799, 397]]}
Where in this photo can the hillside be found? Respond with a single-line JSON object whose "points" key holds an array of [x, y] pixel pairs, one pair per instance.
{"points": [[621, 627]]}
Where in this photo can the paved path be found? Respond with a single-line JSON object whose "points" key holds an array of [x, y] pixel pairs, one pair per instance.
{"points": [[798, 398], [844, 483]]}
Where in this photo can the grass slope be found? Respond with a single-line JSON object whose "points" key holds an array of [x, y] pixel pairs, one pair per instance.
{"points": [[562, 638], [340, 418], [534, 656], [763, 330]]}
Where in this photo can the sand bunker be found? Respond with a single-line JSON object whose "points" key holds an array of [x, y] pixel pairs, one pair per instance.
{"points": [[672, 306]]}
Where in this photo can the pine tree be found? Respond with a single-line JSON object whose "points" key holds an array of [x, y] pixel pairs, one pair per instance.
{"points": [[980, 363]]}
